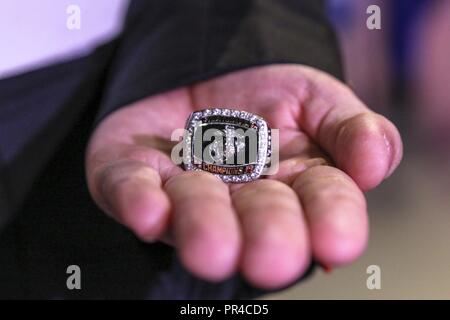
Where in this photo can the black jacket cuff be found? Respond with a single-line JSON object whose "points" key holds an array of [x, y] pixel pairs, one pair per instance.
{"points": [[172, 43]]}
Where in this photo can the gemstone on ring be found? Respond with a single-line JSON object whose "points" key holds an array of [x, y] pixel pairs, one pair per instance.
{"points": [[231, 144]]}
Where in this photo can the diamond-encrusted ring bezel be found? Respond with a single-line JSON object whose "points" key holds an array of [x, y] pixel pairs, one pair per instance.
{"points": [[200, 117]]}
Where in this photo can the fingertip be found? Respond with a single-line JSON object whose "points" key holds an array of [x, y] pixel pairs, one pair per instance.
{"points": [[143, 208], [205, 227], [274, 269], [339, 234], [369, 149], [276, 249], [336, 212], [337, 250], [213, 258]]}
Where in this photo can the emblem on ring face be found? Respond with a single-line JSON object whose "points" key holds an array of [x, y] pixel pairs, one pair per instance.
{"points": [[234, 145]]}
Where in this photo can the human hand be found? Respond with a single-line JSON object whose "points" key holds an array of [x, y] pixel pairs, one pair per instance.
{"points": [[331, 148]]}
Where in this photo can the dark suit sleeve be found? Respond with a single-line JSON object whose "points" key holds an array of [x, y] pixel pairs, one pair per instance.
{"points": [[172, 43]]}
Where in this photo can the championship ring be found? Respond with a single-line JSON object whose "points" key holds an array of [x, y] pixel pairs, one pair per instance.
{"points": [[233, 145]]}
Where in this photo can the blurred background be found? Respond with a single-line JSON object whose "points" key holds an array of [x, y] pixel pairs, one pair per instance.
{"points": [[403, 72]]}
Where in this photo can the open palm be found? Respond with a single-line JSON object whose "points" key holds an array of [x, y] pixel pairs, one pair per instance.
{"points": [[331, 149]]}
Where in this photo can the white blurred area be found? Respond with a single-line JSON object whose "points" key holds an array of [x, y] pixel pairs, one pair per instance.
{"points": [[34, 34]]}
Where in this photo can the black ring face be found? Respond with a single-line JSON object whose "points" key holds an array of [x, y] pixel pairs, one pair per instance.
{"points": [[231, 144]]}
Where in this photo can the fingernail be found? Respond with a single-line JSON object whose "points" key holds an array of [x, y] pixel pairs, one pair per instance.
{"points": [[388, 146], [390, 150]]}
